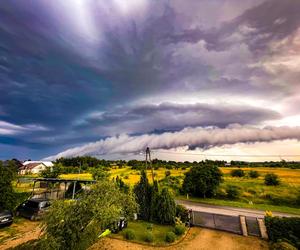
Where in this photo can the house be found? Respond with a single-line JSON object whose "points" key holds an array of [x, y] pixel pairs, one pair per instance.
{"points": [[34, 167]]}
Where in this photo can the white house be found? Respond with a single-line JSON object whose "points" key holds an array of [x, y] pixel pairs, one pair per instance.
{"points": [[34, 167]]}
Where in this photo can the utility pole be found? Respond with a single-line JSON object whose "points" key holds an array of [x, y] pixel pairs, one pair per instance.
{"points": [[148, 158]]}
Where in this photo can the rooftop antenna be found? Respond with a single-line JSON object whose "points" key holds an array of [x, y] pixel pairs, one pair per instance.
{"points": [[148, 158]]}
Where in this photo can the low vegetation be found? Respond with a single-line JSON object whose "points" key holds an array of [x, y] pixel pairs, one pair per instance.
{"points": [[283, 230]]}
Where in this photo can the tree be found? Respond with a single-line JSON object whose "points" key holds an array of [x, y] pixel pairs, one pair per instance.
{"points": [[122, 185], [143, 193], [51, 173], [7, 174], [165, 207], [202, 181], [271, 179], [99, 174], [237, 173], [233, 192], [77, 224]]}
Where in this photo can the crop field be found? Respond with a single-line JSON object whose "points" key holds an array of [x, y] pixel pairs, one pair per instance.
{"points": [[253, 192]]}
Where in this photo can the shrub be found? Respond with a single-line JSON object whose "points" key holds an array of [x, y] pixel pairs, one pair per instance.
{"points": [[233, 192], [179, 229], [237, 173], [167, 173], [182, 213], [282, 246], [253, 174], [129, 234], [149, 237], [286, 229], [271, 179], [170, 237]]}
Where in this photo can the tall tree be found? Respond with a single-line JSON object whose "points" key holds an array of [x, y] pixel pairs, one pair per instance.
{"points": [[143, 193], [165, 207]]}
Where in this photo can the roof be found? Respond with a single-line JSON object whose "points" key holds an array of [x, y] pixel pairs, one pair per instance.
{"points": [[46, 163], [32, 165]]}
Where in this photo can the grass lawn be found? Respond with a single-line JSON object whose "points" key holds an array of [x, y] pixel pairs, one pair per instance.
{"points": [[140, 229]]}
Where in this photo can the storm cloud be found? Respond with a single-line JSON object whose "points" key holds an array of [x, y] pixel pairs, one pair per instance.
{"points": [[74, 72], [192, 137]]}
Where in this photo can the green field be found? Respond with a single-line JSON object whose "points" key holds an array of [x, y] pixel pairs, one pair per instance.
{"points": [[254, 193]]}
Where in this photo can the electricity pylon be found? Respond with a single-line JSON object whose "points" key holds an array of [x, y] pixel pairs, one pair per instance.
{"points": [[148, 158]]}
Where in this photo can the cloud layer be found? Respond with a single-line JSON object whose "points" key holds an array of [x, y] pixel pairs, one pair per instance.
{"points": [[191, 137], [92, 69]]}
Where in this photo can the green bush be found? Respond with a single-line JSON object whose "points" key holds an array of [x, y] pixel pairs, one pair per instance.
{"points": [[253, 174], [286, 229], [271, 179], [233, 192], [179, 229], [129, 234], [170, 237], [167, 173], [182, 213], [149, 237], [237, 173], [282, 246]]}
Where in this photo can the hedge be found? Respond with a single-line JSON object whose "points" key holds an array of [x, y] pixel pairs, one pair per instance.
{"points": [[285, 229]]}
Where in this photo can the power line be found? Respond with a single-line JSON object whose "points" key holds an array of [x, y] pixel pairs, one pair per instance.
{"points": [[226, 155]]}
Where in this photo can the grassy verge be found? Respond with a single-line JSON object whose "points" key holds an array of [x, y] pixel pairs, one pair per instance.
{"points": [[263, 207], [141, 228]]}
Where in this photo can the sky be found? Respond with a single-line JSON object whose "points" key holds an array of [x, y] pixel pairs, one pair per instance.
{"points": [[192, 80]]}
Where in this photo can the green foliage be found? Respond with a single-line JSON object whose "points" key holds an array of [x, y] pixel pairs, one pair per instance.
{"points": [[253, 174], [167, 173], [232, 192], [182, 213], [7, 175], [129, 234], [51, 173], [149, 237], [165, 207], [287, 229], [202, 181], [179, 229], [143, 193], [99, 174], [172, 182], [271, 179], [170, 237], [77, 224], [237, 173], [122, 186]]}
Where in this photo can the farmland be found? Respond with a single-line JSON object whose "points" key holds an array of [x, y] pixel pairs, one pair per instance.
{"points": [[254, 193]]}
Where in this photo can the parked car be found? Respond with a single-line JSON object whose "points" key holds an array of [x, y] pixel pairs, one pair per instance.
{"points": [[33, 209], [6, 218]]}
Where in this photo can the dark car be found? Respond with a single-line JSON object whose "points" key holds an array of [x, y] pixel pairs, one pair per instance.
{"points": [[33, 209], [6, 217]]}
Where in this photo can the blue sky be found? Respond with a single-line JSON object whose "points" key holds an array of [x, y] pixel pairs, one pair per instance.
{"points": [[109, 78]]}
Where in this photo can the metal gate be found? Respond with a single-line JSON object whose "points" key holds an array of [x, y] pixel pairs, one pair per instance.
{"points": [[217, 221]]}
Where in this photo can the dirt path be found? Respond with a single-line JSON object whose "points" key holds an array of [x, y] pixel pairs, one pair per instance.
{"points": [[25, 232], [196, 239]]}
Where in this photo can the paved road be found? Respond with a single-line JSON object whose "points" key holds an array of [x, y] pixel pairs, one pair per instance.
{"points": [[225, 210]]}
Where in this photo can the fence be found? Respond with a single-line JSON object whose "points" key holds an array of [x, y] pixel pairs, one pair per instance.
{"points": [[224, 222]]}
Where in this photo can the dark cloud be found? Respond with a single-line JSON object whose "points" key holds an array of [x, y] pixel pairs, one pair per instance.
{"points": [[172, 117], [56, 69]]}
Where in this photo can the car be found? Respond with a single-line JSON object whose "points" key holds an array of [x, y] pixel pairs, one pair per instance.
{"points": [[6, 218], [33, 209]]}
